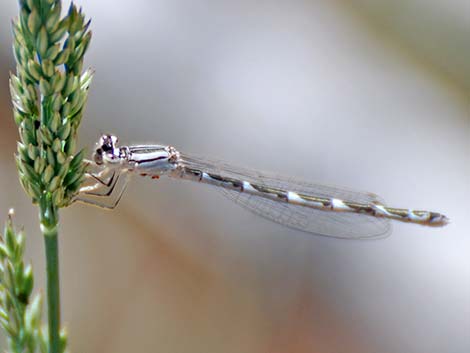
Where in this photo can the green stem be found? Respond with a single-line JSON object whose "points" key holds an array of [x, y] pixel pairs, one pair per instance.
{"points": [[49, 222]]}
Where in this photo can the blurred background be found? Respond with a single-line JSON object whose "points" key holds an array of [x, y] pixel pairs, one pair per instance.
{"points": [[373, 95]]}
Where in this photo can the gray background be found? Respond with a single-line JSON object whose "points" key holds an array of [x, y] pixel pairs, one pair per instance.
{"points": [[368, 94]]}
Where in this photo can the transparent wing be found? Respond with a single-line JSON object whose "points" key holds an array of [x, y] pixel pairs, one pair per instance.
{"points": [[326, 223]]}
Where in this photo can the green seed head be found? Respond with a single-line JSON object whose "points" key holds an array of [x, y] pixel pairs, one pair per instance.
{"points": [[49, 91]]}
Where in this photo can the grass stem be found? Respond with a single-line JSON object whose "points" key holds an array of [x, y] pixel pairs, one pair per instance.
{"points": [[51, 242]]}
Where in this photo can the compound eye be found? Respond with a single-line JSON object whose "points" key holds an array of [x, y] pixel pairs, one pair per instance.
{"points": [[98, 156], [108, 143], [107, 148]]}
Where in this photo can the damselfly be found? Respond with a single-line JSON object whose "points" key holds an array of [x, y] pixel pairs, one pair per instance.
{"points": [[312, 208]]}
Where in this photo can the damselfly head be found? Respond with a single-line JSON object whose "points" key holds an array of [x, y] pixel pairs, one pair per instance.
{"points": [[106, 150]]}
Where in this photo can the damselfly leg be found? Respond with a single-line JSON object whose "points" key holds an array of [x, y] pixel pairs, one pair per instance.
{"points": [[103, 187]]}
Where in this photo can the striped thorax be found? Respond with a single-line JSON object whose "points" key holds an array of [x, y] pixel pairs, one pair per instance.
{"points": [[151, 160]]}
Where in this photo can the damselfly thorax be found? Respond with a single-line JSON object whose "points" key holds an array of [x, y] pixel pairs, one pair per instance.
{"points": [[309, 207]]}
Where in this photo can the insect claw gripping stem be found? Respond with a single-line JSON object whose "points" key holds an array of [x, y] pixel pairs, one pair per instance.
{"points": [[107, 186], [111, 190]]}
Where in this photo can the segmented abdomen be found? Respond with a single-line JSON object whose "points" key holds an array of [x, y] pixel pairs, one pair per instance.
{"points": [[374, 209]]}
